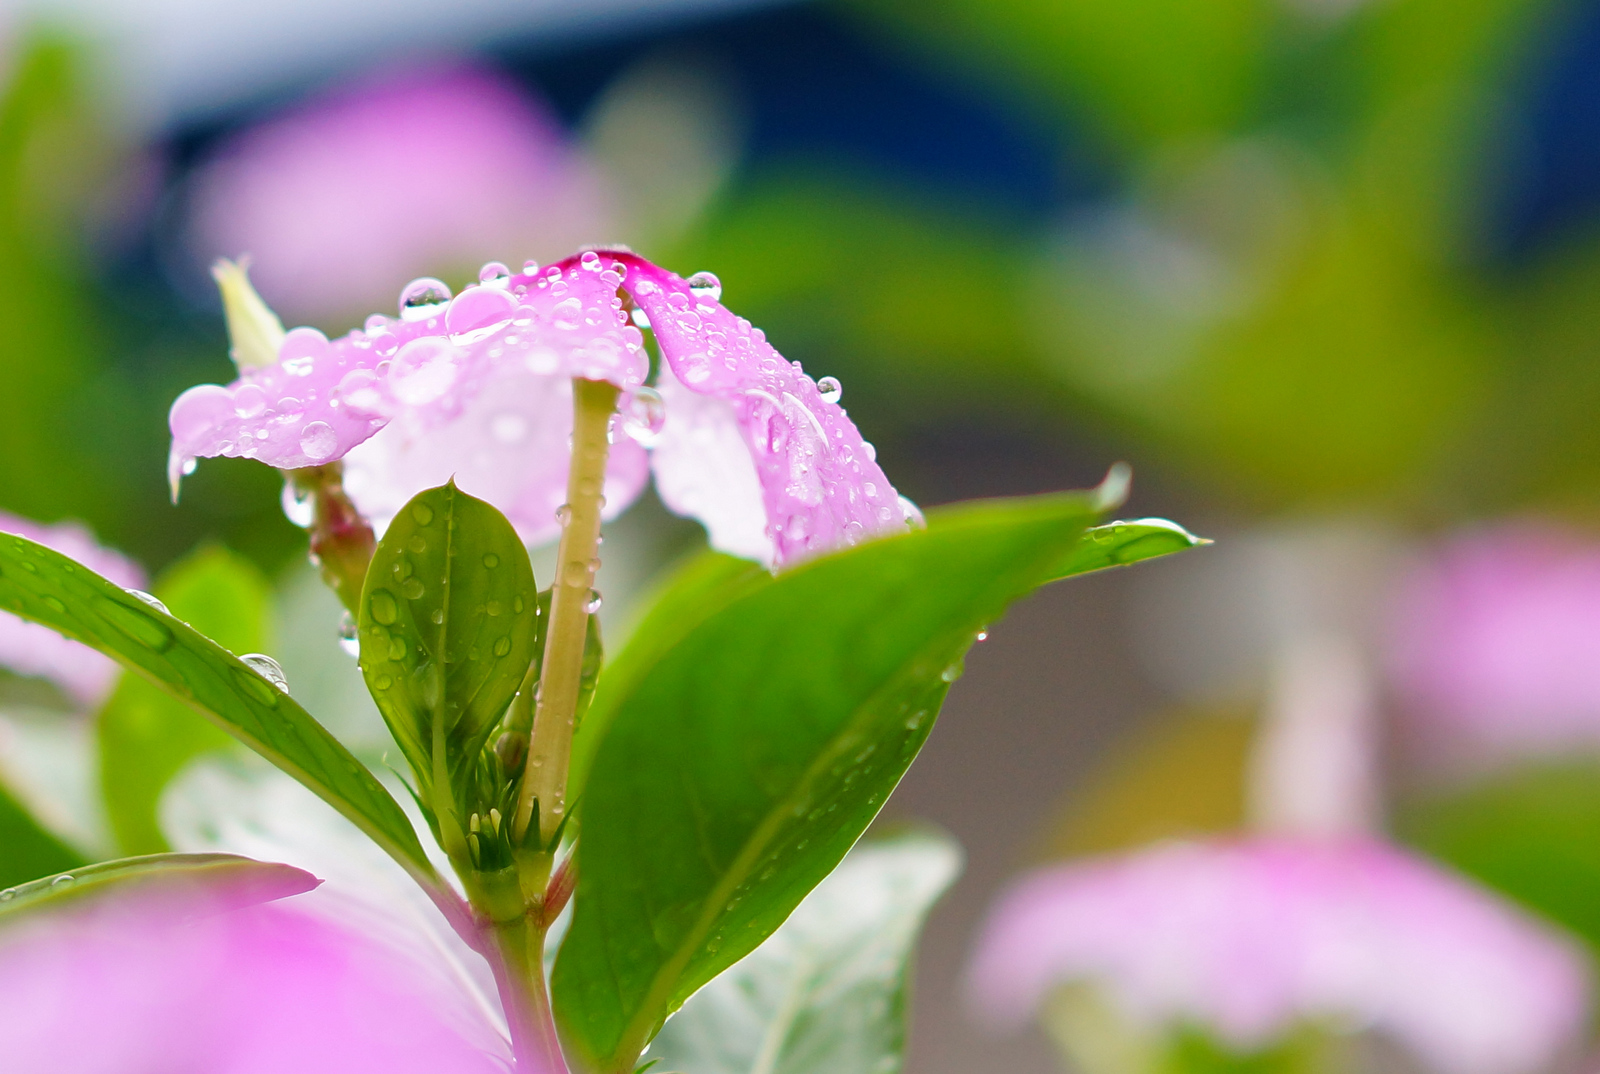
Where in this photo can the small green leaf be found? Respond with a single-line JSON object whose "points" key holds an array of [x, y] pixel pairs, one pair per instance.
{"points": [[827, 991], [145, 734], [234, 881], [43, 585], [1117, 544], [743, 756], [447, 627]]}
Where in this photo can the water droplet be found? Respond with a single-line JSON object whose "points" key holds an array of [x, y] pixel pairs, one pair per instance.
{"points": [[358, 392], [54, 604], [374, 322], [529, 267], [644, 414], [417, 544], [517, 605], [594, 602], [383, 607], [397, 648], [491, 560], [424, 370], [422, 298], [65, 880], [705, 285], [872, 452], [494, 274], [982, 635], [348, 641], [590, 261], [437, 616], [564, 514], [153, 601], [502, 647], [641, 319], [249, 400], [567, 314], [478, 313], [951, 673], [422, 513], [830, 388], [298, 505], [383, 682], [8, 894], [412, 589], [318, 441], [267, 668], [137, 624], [300, 351]]}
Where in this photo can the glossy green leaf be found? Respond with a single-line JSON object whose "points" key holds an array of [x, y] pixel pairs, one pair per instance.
{"points": [[828, 990], [27, 848], [743, 759], [447, 626], [146, 735], [232, 880], [701, 585], [42, 585], [1118, 544]]}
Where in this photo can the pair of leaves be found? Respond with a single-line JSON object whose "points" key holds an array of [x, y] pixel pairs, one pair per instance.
{"points": [[447, 628], [46, 587], [754, 727]]}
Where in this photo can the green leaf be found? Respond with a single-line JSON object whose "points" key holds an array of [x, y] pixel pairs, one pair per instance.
{"points": [[146, 735], [828, 990], [744, 757], [47, 587], [1117, 544], [447, 627], [233, 880], [27, 848], [700, 586]]}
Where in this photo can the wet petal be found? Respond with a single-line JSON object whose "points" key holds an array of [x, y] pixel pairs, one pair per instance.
{"points": [[704, 469], [323, 397], [1246, 938], [31, 649], [168, 984], [821, 486], [509, 446]]}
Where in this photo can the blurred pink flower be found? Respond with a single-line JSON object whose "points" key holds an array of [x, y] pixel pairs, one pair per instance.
{"points": [[478, 387], [1496, 646], [1244, 938], [332, 201], [177, 984], [36, 650]]}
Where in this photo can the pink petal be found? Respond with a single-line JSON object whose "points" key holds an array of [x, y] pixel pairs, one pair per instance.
{"points": [[1247, 937], [1496, 646], [139, 984], [343, 200], [325, 397], [31, 649], [508, 446], [820, 485]]}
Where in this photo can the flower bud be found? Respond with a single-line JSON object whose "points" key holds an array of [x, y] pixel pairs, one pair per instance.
{"points": [[254, 331]]}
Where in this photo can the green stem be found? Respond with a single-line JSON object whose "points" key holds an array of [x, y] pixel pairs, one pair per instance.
{"points": [[342, 542], [545, 777], [519, 975]]}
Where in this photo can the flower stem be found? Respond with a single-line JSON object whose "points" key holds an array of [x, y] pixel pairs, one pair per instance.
{"points": [[519, 975], [545, 777], [342, 542]]}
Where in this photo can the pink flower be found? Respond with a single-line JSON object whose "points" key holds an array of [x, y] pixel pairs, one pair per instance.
{"points": [[31, 649], [1496, 646], [333, 200], [1247, 937], [178, 984], [477, 386]]}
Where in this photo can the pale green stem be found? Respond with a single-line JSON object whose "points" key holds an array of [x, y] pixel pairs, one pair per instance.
{"points": [[519, 974], [545, 778]]}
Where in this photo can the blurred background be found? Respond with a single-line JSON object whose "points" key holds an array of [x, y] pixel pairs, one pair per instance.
{"points": [[1323, 271]]}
